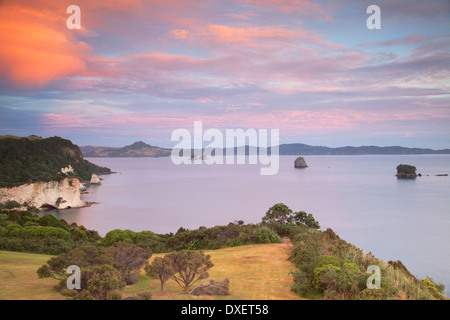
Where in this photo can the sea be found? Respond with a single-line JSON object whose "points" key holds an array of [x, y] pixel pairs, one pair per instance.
{"points": [[359, 197]]}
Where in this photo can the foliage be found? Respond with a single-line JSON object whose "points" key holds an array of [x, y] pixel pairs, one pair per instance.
{"points": [[31, 160], [9, 205], [266, 235], [280, 214], [332, 268], [406, 169], [162, 269], [435, 289], [24, 231], [130, 258], [103, 270], [189, 267]]}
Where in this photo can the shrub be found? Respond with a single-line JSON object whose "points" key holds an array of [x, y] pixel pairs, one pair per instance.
{"points": [[117, 235], [266, 235], [11, 204]]}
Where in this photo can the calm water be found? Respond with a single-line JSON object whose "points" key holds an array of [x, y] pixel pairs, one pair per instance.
{"points": [[357, 196]]}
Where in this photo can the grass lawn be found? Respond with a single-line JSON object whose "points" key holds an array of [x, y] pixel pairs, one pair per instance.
{"points": [[19, 280], [255, 272]]}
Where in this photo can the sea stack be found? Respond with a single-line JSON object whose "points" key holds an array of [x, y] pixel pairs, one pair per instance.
{"points": [[300, 163], [95, 179]]}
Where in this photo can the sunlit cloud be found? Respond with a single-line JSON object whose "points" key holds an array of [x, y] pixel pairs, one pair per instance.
{"points": [[143, 66]]}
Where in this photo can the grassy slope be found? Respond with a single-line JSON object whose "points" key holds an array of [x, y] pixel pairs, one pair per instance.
{"points": [[18, 278], [255, 272]]}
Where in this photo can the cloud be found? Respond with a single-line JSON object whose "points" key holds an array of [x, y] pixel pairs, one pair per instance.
{"points": [[304, 7], [33, 51], [179, 34]]}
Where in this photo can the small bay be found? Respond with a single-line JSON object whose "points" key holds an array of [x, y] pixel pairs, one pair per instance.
{"points": [[359, 197]]}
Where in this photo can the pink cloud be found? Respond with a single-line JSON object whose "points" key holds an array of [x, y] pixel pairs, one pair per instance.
{"points": [[305, 7], [34, 51], [179, 34]]}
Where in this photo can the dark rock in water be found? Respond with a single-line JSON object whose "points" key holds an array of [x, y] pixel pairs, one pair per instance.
{"points": [[406, 176], [213, 288], [300, 163], [442, 175], [406, 171]]}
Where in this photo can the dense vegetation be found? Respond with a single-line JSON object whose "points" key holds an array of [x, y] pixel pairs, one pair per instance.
{"points": [[25, 160], [327, 267], [25, 231], [331, 268], [104, 271], [406, 169]]}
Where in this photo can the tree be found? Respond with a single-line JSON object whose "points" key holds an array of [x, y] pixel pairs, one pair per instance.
{"points": [[279, 213], [189, 266], [103, 280], [130, 258], [282, 215], [162, 269], [103, 270]]}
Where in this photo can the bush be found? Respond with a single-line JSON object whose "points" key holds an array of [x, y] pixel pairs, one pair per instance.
{"points": [[115, 236], [266, 235], [10, 205], [144, 296]]}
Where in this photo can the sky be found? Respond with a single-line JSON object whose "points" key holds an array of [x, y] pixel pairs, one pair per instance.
{"points": [[138, 70]]}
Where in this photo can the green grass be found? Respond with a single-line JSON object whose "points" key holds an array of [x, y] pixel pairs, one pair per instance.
{"points": [[255, 272], [18, 278]]}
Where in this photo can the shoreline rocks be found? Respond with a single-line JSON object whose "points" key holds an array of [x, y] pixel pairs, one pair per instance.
{"points": [[95, 179], [300, 163]]}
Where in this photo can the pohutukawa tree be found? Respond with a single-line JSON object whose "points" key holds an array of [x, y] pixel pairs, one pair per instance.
{"points": [[189, 267]]}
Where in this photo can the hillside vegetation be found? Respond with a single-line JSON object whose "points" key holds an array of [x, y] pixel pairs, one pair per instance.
{"points": [[257, 260], [32, 159]]}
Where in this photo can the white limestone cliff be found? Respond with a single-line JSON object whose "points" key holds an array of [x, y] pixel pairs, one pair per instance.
{"points": [[60, 195]]}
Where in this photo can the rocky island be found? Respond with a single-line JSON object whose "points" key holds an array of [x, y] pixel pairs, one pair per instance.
{"points": [[406, 171], [300, 163]]}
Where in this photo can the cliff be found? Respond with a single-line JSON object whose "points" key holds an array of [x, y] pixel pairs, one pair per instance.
{"points": [[29, 160], [43, 195]]}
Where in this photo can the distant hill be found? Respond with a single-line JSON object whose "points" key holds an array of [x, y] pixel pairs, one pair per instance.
{"points": [[141, 149], [304, 149], [32, 159], [299, 149], [137, 149]]}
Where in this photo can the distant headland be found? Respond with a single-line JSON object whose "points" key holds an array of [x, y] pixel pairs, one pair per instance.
{"points": [[142, 149]]}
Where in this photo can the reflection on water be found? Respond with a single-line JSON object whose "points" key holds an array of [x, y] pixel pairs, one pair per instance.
{"points": [[357, 196]]}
